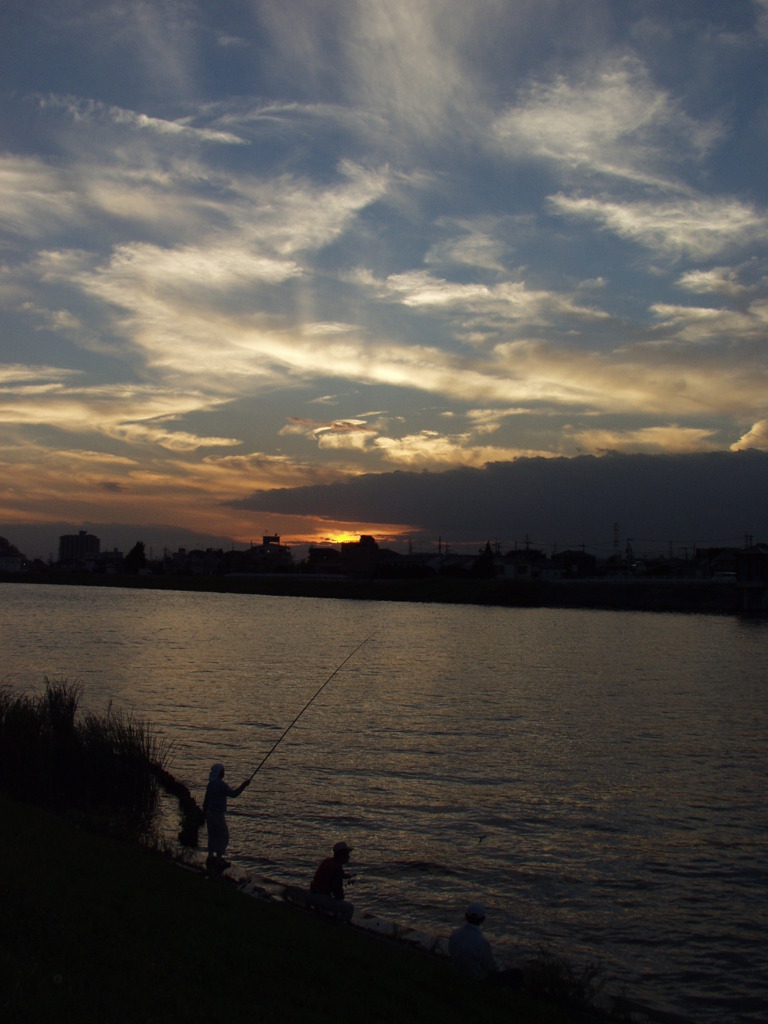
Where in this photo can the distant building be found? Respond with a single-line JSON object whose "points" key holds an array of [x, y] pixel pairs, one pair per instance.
{"points": [[273, 556], [78, 549], [324, 560], [575, 564], [359, 557], [268, 557], [195, 562], [11, 559], [752, 576], [523, 564], [110, 561]]}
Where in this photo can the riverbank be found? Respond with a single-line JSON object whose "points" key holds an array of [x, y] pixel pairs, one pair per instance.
{"points": [[711, 597], [92, 930]]}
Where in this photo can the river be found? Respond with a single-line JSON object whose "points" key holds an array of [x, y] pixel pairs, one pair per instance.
{"points": [[597, 779]]}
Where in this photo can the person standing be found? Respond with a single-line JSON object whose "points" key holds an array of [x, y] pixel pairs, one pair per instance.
{"points": [[215, 811], [327, 889]]}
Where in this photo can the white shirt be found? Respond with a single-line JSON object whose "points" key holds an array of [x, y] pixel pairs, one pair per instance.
{"points": [[471, 951]]}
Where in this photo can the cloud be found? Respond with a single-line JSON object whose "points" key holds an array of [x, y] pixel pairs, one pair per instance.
{"points": [[658, 500], [476, 246], [717, 281], [90, 111], [184, 271], [430, 449], [646, 440], [41, 483], [154, 41], [701, 324], [404, 63], [507, 303], [353, 434], [22, 373], [611, 122], [755, 437], [156, 176], [173, 440], [499, 230], [695, 228], [111, 410], [35, 200], [488, 421], [225, 40], [433, 450]]}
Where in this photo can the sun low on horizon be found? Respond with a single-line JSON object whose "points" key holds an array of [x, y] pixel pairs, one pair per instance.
{"points": [[344, 538]]}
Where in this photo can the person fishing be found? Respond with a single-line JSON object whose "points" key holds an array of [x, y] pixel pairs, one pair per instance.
{"points": [[215, 802], [327, 889], [215, 811]]}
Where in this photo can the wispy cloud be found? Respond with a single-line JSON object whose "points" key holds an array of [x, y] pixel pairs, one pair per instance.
{"points": [[649, 440], [612, 122], [404, 63], [698, 228], [83, 111]]}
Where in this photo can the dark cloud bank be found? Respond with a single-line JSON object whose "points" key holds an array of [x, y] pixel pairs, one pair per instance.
{"points": [[659, 501], [702, 499]]}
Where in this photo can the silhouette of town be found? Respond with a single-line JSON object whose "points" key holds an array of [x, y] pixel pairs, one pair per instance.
{"points": [[736, 578]]}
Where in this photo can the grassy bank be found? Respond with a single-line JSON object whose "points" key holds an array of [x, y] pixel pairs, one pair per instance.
{"points": [[92, 929], [53, 755], [108, 767]]}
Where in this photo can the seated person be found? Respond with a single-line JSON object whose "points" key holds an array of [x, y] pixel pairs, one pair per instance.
{"points": [[327, 889], [471, 951]]}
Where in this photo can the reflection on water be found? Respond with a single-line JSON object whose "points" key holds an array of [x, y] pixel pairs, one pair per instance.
{"points": [[596, 778]]}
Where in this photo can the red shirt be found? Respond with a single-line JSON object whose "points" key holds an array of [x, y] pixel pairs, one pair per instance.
{"points": [[329, 879]]}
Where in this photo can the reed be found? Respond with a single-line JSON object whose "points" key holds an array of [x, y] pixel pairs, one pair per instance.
{"points": [[556, 978], [103, 765]]}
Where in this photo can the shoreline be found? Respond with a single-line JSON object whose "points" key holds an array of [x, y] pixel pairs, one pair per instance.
{"points": [[135, 917], [709, 597], [108, 930]]}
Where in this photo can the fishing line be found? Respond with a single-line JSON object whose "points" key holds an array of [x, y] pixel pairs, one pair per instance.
{"points": [[311, 699]]}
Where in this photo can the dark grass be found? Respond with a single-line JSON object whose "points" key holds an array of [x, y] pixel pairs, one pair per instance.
{"points": [[94, 930], [105, 766]]}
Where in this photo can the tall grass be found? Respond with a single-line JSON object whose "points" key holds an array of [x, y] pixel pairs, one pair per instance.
{"points": [[556, 978], [103, 765]]}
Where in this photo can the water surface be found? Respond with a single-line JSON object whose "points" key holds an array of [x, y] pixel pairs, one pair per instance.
{"points": [[596, 778]]}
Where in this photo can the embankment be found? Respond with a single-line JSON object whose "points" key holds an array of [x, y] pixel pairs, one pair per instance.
{"points": [[94, 930]]}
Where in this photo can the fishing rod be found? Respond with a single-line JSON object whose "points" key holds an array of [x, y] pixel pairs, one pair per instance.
{"points": [[311, 699]]}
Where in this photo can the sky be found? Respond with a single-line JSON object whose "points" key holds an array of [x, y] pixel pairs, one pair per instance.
{"points": [[254, 254]]}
